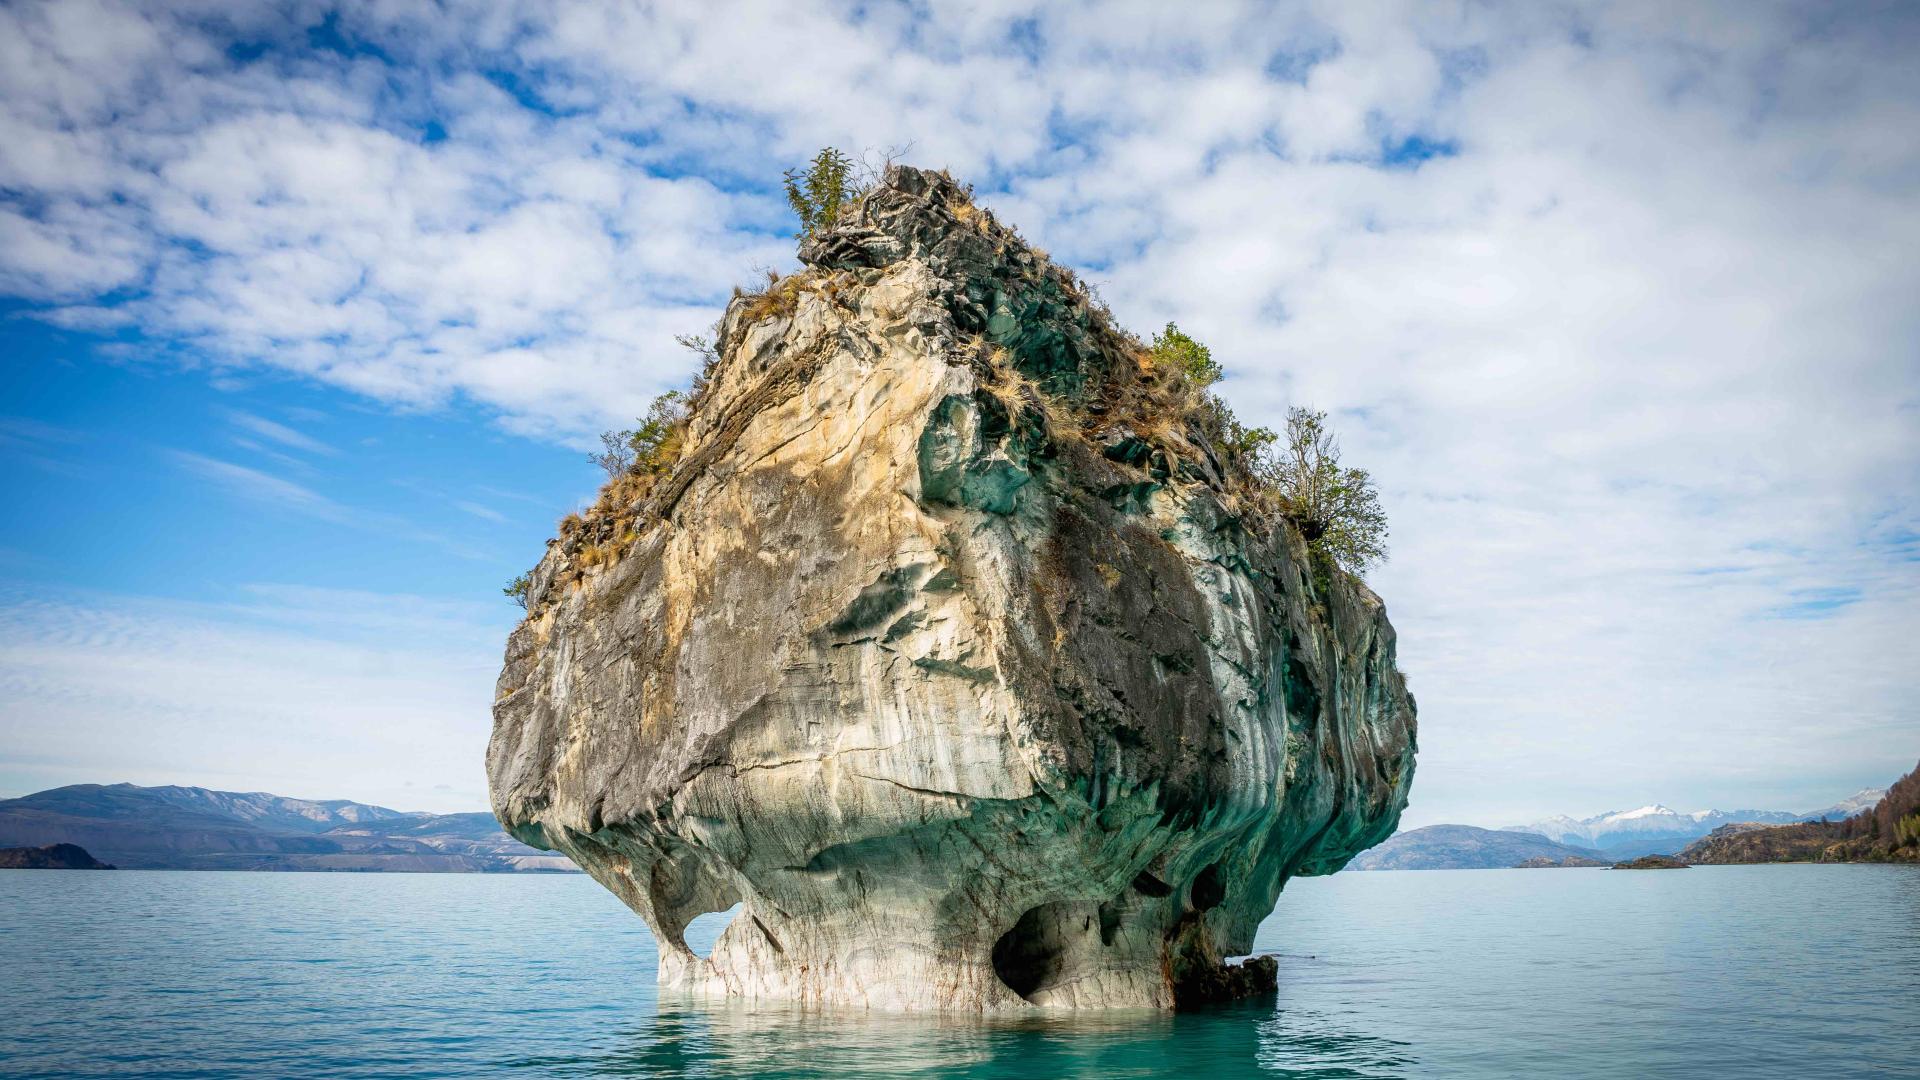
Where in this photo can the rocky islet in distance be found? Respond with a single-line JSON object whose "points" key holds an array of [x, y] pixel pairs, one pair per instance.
{"points": [[1651, 862], [50, 857], [974, 683]]}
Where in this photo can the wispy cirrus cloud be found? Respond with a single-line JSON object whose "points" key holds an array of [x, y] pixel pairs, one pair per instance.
{"points": [[281, 494], [485, 513], [274, 431], [264, 487], [41, 445], [313, 692], [22, 431]]}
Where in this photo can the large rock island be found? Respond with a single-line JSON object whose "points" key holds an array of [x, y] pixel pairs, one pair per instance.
{"points": [[946, 643]]}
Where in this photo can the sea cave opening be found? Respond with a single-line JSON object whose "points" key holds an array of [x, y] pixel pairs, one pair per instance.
{"points": [[703, 932], [1031, 955]]}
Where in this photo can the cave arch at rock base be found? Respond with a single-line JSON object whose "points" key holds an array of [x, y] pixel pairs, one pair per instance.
{"points": [[1031, 956]]}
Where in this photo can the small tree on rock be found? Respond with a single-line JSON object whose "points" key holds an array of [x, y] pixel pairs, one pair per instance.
{"points": [[818, 194], [616, 455], [704, 347], [652, 446], [518, 589], [1337, 509], [656, 444], [1176, 350]]}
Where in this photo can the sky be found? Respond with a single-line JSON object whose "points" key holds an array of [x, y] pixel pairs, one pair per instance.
{"points": [[309, 314]]}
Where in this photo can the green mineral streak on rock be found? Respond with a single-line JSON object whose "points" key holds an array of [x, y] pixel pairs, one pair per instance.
{"points": [[1002, 327], [970, 454]]}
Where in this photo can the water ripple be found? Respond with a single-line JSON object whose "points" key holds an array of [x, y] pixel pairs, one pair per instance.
{"points": [[1790, 971]]}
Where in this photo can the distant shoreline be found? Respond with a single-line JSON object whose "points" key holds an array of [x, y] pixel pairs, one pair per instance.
{"points": [[203, 830]]}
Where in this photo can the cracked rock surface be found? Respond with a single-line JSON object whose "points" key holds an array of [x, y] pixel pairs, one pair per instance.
{"points": [[972, 693]]}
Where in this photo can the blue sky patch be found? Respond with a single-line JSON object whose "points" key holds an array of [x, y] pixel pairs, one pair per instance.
{"points": [[1413, 151], [1816, 603]]}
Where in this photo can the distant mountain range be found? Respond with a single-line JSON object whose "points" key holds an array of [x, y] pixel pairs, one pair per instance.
{"points": [[195, 828], [1600, 840], [1657, 830], [1888, 832], [192, 828], [1464, 847]]}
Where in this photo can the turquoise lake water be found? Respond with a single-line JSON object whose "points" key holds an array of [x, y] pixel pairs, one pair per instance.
{"points": [[1777, 971]]}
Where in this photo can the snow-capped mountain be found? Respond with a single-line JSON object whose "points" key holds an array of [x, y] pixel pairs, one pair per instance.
{"points": [[1858, 803], [1658, 829]]}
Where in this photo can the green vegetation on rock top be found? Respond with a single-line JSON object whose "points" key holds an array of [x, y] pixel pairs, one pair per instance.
{"points": [[1056, 338]]}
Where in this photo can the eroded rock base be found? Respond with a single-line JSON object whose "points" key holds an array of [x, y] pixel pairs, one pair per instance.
{"points": [[1218, 984]]}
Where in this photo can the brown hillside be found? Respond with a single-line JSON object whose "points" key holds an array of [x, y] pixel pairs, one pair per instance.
{"points": [[1890, 832]]}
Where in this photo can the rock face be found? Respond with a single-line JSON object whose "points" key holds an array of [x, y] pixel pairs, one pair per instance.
{"points": [[972, 690]]}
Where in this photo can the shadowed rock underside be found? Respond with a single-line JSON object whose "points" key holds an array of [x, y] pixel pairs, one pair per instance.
{"points": [[973, 690]]}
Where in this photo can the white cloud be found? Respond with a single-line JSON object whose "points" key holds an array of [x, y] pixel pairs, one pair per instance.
{"points": [[280, 493], [1631, 354], [275, 431], [44, 446], [308, 692], [263, 486], [485, 513]]}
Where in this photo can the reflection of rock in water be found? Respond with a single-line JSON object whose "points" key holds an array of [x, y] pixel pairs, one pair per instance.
{"points": [[973, 689], [722, 1037], [728, 1038]]}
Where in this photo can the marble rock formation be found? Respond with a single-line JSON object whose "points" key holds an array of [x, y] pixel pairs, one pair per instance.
{"points": [[972, 687]]}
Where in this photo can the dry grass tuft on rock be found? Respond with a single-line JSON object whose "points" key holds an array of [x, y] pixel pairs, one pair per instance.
{"points": [[778, 298]]}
